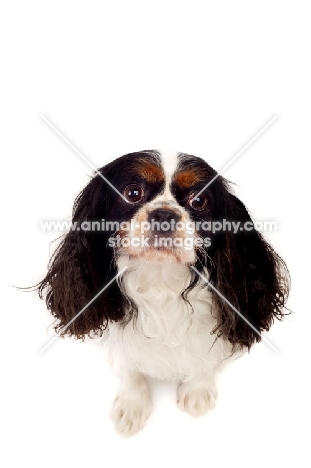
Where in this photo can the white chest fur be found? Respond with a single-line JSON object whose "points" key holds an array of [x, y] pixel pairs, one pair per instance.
{"points": [[169, 338]]}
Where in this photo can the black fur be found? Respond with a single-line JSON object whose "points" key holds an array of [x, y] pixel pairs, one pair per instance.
{"points": [[83, 264], [243, 267]]}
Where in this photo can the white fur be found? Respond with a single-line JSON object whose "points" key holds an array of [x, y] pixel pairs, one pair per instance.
{"points": [[169, 162], [168, 340], [132, 406], [198, 395]]}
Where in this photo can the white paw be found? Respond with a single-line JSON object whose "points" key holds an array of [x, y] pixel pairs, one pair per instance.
{"points": [[130, 415], [197, 401]]}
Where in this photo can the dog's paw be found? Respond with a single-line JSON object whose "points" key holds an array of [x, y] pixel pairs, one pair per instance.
{"points": [[130, 415], [196, 401]]}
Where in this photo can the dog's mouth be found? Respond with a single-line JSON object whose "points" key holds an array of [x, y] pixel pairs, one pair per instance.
{"points": [[158, 246]]}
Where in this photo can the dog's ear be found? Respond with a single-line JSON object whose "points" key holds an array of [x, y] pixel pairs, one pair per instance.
{"points": [[246, 271], [81, 267]]}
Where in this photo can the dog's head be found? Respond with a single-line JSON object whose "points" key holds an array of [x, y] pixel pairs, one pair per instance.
{"points": [[164, 207], [163, 203]]}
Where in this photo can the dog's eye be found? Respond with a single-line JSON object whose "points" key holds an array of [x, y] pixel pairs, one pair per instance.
{"points": [[198, 203], [133, 193]]}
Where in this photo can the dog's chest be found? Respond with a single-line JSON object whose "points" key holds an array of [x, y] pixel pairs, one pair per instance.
{"points": [[170, 337]]}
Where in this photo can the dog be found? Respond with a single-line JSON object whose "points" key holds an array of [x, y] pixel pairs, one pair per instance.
{"points": [[172, 296]]}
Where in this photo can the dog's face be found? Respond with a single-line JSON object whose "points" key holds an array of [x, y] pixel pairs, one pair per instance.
{"points": [[172, 200], [161, 214]]}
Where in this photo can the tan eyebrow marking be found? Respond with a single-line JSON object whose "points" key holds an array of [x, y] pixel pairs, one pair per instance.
{"points": [[150, 172], [187, 178]]}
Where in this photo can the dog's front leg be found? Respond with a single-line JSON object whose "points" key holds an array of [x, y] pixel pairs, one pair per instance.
{"points": [[132, 406], [198, 395]]}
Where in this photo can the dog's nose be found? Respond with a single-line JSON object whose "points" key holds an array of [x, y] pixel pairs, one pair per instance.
{"points": [[162, 215]]}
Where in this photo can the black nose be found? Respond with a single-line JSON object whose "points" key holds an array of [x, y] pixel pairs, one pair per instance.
{"points": [[161, 215]]}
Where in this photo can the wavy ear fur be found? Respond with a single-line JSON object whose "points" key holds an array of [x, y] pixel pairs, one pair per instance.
{"points": [[248, 273], [81, 266]]}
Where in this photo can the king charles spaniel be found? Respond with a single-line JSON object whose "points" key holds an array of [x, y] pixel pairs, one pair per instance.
{"points": [[164, 263]]}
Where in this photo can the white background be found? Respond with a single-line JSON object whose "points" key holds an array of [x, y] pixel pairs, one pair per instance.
{"points": [[114, 77]]}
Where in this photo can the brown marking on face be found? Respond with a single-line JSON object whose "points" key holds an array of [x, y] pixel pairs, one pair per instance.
{"points": [[150, 172], [141, 216], [187, 178]]}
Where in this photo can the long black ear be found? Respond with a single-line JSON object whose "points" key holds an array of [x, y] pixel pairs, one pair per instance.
{"points": [[247, 271], [81, 266]]}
